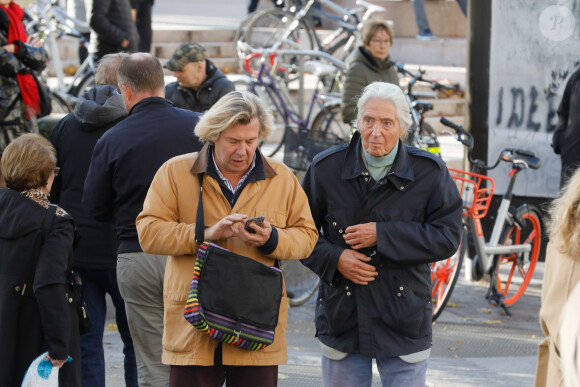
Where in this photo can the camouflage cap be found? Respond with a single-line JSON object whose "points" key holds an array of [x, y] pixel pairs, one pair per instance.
{"points": [[185, 53]]}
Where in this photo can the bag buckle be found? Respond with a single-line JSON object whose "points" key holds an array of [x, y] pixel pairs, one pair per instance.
{"points": [[237, 333]]}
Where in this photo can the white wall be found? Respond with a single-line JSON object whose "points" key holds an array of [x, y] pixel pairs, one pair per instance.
{"points": [[535, 47]]}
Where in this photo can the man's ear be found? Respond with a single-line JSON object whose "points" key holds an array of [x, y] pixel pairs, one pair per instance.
{"points": [[128, 92]]}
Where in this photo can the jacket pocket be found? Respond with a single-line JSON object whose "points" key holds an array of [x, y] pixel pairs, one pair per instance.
{"points": [[405, 311], [336, 308]]}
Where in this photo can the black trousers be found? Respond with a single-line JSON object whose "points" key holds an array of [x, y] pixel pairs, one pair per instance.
{"points": [[143, 24], [216, 375]]}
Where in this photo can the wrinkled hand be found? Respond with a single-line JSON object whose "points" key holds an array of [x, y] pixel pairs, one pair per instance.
{"points": [[259, 238], [225, 228], [56, 363], [352, 266], [361, 235]]}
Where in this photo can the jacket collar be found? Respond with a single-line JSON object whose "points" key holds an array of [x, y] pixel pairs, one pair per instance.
{"points": [[200, 164], [374, 62], [401, 172], [142, 105]]}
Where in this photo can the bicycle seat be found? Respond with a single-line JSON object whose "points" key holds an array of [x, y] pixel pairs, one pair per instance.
{"points": [[527, 158], [318, 68], [422, 106]]}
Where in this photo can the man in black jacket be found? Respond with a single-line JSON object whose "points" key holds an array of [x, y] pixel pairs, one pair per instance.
{"points": [[387, 211], [122, 167], [199, 83], [95, 257], [566, 140]]}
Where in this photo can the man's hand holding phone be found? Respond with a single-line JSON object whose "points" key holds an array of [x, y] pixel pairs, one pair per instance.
{"points": [[258, 221], [256, 231]]}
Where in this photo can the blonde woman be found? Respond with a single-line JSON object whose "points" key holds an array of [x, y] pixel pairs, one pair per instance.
{"points": [[561, 275]]}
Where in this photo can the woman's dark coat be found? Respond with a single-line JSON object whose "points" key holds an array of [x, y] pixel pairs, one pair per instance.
{"points": [[35, 313]]}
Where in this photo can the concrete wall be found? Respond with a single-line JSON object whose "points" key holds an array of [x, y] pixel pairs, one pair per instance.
{"points": [[535, 47]]}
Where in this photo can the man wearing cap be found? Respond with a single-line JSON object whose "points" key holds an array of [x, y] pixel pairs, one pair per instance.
{"points": [[199, 84]]}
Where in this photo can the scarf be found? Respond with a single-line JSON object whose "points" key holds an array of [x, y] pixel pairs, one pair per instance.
{"points": [[28, 86]]}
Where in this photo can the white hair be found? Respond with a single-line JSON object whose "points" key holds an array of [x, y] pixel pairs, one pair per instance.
{"points": [[388, 92]]}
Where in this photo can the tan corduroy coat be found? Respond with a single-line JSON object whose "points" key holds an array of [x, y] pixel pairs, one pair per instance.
{"points": [[167, 226], [561, 275]]}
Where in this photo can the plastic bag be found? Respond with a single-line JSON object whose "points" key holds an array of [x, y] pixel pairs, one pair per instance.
{"points": [[41, 373]]}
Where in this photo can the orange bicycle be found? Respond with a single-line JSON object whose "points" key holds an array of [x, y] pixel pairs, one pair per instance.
{"points": [[510, 254]]}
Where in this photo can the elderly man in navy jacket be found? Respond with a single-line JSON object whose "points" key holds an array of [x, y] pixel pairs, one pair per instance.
{"points": [[386, 210], [124, 162]]}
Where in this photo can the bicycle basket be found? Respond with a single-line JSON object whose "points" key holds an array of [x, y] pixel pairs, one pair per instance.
{"points": [[301, 145], [475, 190]]}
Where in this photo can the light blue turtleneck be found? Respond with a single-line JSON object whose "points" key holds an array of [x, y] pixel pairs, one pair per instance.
{"points": [[378, 167]]}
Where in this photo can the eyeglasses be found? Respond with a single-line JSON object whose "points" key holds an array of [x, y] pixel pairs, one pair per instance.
{"points": [[378, 42], [56, 171]]}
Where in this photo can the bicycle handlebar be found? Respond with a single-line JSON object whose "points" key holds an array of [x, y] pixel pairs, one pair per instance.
{"points": [[520, 158], [419, 78]]}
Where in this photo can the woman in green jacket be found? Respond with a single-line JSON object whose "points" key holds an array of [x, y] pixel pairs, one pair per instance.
{"points": [[367, 64]]}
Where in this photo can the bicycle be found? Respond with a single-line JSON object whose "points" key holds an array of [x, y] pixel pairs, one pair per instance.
{"points": [[421, 134], [291, 128], [292, 27], [50, 22], [514, 244]]}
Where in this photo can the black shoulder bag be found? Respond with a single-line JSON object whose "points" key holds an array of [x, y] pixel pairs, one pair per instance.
{"points": [[74, 282]]}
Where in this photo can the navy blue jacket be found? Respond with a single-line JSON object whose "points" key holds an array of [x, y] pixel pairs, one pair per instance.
{"points": [[74, 138], [127, 157], [417, 209]]}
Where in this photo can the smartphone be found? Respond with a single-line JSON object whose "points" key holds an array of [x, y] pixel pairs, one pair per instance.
{"points": [[258, 220]]}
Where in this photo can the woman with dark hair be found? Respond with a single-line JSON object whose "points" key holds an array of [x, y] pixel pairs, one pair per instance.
{"points": [[19, 100], [37, 311]]}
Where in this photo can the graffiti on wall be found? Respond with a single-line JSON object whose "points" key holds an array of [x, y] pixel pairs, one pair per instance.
{"points": [[535, 47]]}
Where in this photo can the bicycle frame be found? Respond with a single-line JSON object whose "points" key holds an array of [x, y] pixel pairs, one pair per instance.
{"points": [[281, 99], [348, 20], [487, 251]]}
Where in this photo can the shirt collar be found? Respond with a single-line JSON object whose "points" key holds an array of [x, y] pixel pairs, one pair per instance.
{"points": [[226, 182]]}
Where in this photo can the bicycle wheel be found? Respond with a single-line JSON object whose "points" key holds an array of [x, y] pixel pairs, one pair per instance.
{"points": [[274, 27], [240, 34], [328, 123], [86, 83], [301, 282], [59, 104], [444, 275], [342, 48], [271, 144], [516, 270]]}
